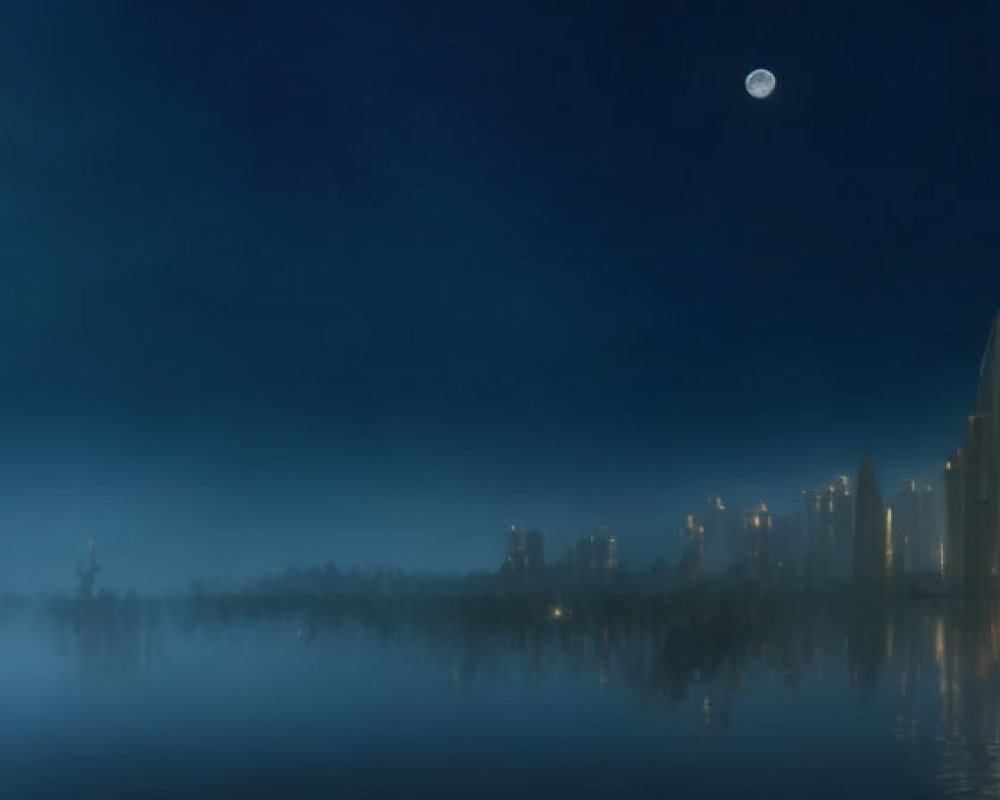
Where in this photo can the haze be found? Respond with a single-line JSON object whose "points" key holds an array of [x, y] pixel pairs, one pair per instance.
{"points": [[294, 283]]}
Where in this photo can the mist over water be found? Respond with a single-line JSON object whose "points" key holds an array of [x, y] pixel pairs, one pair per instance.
{"points": [[207, 506], [493, 400], [209, 696]]}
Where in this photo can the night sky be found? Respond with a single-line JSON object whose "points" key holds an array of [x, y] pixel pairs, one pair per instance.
{"points": [[290, 283]]}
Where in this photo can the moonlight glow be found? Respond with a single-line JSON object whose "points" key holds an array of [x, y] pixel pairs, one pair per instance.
{"points": [[760, 83]]}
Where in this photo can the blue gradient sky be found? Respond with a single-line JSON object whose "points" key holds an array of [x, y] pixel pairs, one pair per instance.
{"points": [[298, 282]]}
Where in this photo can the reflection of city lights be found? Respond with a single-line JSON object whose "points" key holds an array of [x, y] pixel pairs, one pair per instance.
{"points": [[939, 642], [888, 540]]}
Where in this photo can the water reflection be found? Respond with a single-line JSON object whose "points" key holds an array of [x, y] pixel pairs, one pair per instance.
{"points": [[927, 669], [111, 638], [967, 652]]}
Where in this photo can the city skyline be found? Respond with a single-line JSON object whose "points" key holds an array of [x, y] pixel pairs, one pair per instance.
{"points": [[499, 400], [285, 286], [864, 536]]}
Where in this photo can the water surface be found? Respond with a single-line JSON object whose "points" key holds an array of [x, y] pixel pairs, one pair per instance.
{"points": [[827, 699]]}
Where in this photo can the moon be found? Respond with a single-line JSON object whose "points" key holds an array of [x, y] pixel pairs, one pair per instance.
{"points": [[760, 83]]}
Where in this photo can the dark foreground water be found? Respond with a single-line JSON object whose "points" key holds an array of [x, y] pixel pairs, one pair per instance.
{"points": [[817, 699]]}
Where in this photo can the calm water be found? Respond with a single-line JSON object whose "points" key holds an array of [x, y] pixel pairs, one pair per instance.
{"points": [[853, 702]]}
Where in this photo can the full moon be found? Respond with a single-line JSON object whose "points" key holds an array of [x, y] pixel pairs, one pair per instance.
{"points": [[760, 83]]}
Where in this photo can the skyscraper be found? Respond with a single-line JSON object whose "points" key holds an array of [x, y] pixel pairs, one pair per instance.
{"points": [[695, 555], [596, 555], [930, 555], [972, 479], [954, 545], [718, 523], [917, 543], [759, 527], [829, 527], [722, 542], [534, 549], [872, 547], [907, 527], [516, 563], [711, 540]]}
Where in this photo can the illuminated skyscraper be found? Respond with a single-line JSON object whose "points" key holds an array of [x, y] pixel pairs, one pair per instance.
{"points": [[717, 521], [905, 512], [525, 556], [828, 514], [916, 536], [759, 527], [930, 552], [873, 553], [710, 537], [694, 556], [596, 555], [972, 480], [535, 551], [954, 545], [516, 562]]}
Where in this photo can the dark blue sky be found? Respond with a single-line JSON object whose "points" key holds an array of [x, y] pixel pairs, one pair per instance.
{"points": [[294, 282]]}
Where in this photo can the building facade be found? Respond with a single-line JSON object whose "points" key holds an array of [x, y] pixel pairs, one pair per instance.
{"points": [[873, 553], [972, 482], [828, 517]]}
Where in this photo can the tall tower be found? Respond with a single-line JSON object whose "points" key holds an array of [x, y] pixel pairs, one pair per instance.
{"points": [[980, 465], [829, 523], [516, 563], [535, 551], [872, 550], [930, 537], [907, 531], [759, 524], [954, 544]]}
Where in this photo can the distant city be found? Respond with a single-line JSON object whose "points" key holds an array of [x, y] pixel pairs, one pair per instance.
{"points": [[844, 532]]}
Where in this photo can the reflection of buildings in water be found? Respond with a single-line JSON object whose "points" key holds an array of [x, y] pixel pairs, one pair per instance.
{"points": [[114, 638], [869, 642], [604, 658], [952, 660], [698, 658], [935, 659], [915, 654], [715, 711]]}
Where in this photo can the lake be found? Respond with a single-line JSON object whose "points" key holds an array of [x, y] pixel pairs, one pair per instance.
{"points": [[789, 697]]}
